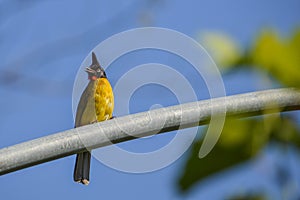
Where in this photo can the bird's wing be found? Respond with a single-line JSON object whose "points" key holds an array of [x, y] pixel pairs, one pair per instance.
{"points": [[85, 109]]}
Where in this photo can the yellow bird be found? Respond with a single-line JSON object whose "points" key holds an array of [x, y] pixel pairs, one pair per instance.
{"points": [[96, 104]]}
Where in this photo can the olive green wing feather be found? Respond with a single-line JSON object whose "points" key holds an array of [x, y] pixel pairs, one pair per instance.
{"points": [[86, 108]]}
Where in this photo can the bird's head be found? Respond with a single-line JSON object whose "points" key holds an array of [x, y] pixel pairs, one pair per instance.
{"points": [[95, 70]]}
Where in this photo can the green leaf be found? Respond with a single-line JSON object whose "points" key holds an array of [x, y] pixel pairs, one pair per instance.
{"points": [[278, 57], [240, 141], [236, 144], [224, 50]]}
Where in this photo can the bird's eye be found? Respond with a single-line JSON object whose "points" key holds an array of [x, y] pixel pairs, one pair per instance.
{"points": [[98, 70]]}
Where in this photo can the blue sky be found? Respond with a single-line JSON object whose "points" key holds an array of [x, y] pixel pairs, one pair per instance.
{"points": [[43, 44]]}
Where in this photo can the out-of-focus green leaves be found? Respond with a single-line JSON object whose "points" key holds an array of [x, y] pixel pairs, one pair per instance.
{"points": [[286, 132], [240, 140], [248, 197], [279, 57], [223, 49]]}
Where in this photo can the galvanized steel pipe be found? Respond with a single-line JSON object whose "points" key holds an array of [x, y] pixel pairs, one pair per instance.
{"points": [[143, 124]]}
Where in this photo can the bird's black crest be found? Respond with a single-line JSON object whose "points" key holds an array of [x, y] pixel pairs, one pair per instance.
{"points": [[94, 60]]}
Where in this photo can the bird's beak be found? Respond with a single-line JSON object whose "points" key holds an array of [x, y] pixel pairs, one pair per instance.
{"points": [[89, 70]]}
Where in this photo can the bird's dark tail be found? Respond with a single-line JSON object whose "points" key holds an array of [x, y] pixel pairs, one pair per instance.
{"points": [[82, 168]]}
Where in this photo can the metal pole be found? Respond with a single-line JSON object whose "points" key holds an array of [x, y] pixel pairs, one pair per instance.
{"points": [[143, 124]]}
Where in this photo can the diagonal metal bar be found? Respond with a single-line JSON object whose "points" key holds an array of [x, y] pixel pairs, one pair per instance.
{"points": [[143, 124]]}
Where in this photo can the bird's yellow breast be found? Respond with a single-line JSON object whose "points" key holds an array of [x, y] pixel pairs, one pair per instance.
{"points": [[104, 99]]}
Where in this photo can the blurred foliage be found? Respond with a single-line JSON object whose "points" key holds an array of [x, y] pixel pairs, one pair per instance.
{"points": [[248, 197], [222, 48], [240, 140], [279, 57], [243, 139]]}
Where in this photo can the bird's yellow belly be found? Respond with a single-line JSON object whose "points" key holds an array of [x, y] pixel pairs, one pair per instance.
{"points": [[104, 99]]}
